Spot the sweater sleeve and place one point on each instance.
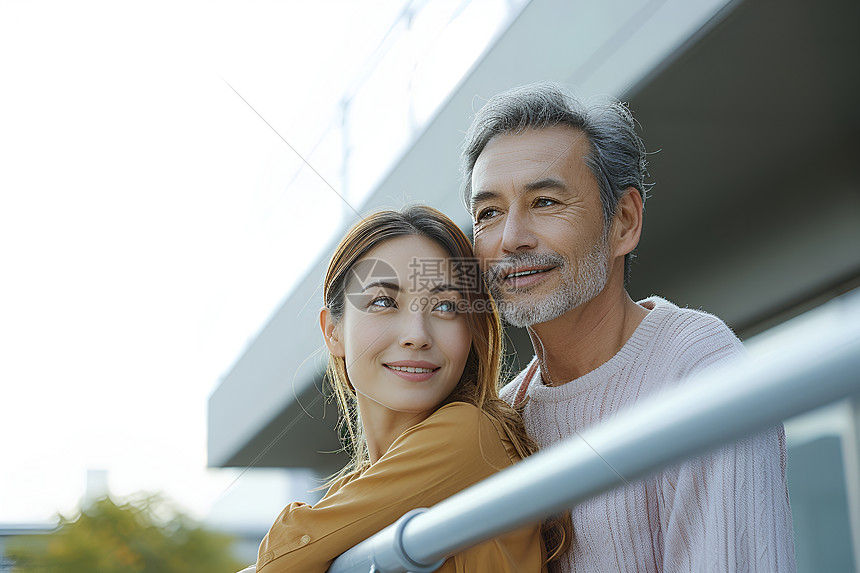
(426, 464)
(728, 510)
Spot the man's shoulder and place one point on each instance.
(693, 337)
(675, 324)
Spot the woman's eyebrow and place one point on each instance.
(383, 284)
(447, 287)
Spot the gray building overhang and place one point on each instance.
(754, 215)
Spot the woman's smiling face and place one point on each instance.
(404, 343)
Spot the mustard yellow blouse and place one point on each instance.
(454, 448)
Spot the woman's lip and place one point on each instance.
(412, 364)
(412, 376)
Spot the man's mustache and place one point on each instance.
(500, 268)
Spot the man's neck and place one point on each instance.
(586, 337)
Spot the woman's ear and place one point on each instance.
(331, 333)
(627, 223)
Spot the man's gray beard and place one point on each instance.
(579, 285)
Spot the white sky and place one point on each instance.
(145, 230)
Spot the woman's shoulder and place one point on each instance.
(464, 428)
(338, 482)
(455, 418)
(458, 411)
(459, 416)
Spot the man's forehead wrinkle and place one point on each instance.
(525, 173)
(498, 172)
(526, 155)
(542, 159)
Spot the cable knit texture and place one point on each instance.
(724, 511)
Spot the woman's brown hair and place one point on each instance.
(479, 384)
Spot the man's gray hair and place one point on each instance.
(617, 157)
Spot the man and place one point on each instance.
(556, 193)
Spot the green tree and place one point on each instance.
(145, 535)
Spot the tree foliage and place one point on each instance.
(141, 536)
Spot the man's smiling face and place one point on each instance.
(538, 223)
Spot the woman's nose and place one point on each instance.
(415, 334)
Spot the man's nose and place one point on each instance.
(517, 234)
(415, 334)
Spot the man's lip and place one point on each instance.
(507, 274)
(413, 364)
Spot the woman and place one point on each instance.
(414, 347)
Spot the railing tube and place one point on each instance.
(711, 409)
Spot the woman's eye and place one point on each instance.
(382, 302)
(446, 306)
(544, 202)
(487, 213)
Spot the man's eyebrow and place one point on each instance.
(482, 197)
(540, 184)
(383, 284)
(546, 183)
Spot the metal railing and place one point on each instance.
(812, 368)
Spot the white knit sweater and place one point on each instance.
(724, 511)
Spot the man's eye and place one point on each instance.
(544, 202)
(487, 213)
(382, 302)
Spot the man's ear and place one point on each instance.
(627, 223)
(331, 333)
